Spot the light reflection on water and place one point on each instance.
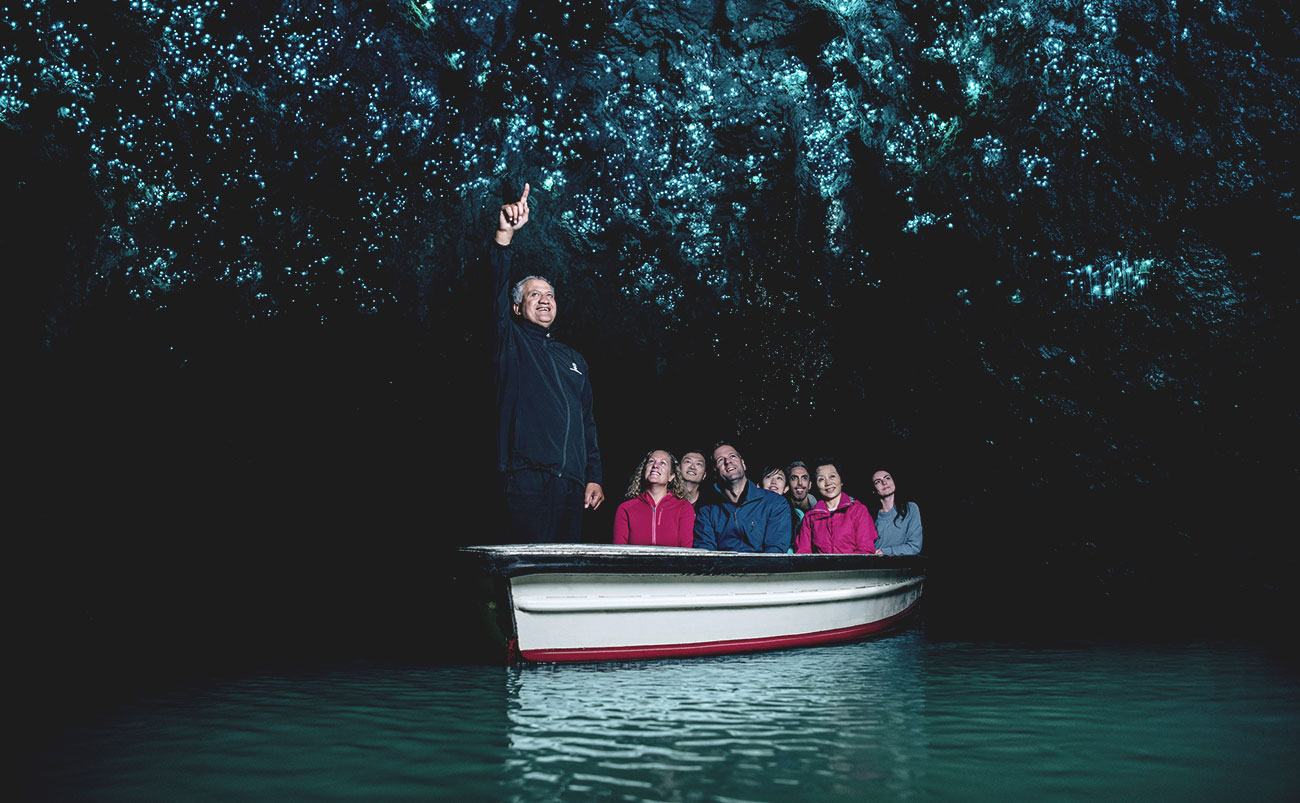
(898, 717)
(825, 720)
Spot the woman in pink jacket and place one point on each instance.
(838, 523)
(655, 514)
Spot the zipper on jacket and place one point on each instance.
(559, 387)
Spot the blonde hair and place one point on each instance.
(636, 486)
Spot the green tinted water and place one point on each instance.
(901, 717)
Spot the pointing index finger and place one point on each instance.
(524, 197)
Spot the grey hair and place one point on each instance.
(517, 292)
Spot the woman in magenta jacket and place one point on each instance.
(838, 522)
(655, 514)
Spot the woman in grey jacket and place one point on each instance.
(898, 522)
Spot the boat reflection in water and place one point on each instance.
(814, 723)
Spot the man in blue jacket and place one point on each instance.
(546, 438)
(741, 517)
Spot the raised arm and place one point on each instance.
(511, 219)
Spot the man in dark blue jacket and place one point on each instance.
(546, 439)
(741, 517)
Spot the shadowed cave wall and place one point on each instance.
(1036, 258)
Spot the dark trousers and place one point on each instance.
(542, 508)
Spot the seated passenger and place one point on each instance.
(898, 524)
(655, 513)
(800, 485)
(838, 523)
(694, 471)
(775, 480)
(739, 516)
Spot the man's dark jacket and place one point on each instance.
(544, 418)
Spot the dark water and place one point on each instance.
(912, 715)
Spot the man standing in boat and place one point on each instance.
(546, 434)
(741, 517)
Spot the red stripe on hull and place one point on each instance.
(717, 647)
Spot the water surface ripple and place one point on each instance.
(899, 717)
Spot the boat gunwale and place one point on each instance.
(508, 560)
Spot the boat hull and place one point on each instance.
(599, 603)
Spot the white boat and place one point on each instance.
(582, 602)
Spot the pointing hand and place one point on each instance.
(512, 218)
